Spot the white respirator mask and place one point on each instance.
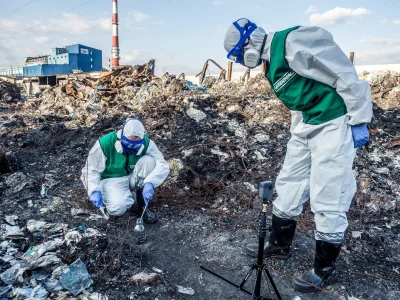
(252, 56)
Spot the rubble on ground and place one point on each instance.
(220, 140)
(9, 91)
(385, 88)
(34, 260)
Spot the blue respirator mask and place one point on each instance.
(128, 146)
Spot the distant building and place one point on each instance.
(71, 59)
(14, 72)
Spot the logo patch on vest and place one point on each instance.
(284, 80)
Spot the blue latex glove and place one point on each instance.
(148, 192)
(96, 198)
(360, 135)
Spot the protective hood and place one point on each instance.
(132, 127)
(241, 36)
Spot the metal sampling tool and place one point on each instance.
(103, 212)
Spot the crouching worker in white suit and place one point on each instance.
(121, 162)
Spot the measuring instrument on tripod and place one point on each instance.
(266, 189)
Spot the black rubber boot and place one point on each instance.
(279, 242)
(324, 268)
(149, 217)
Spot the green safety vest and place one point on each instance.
(118, 164)
(318, 102)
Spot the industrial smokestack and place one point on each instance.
(115, 42)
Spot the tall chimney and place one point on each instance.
(115, 42)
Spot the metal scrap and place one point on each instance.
(110, 83)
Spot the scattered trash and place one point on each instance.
(34, 225)
(356, 234)
(12, 220)
(76, 278)
(196, 114)
(37, 251)
(157, 270)
(14, 274)
(43, 191)
(144, 277)
(186, 291)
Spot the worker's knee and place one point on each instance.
(145, 165)
(119, 205)
(117, 208)
(330, 222)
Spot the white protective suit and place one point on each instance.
(319, 158)
(117, 192)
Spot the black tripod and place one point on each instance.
(266, 189)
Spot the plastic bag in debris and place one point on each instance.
(36, 293)
(40, 275)
(93, 296)
(39, 292)
(34, 225)
(11, 232)
(13, 275)
(12, 220)
(45, 261)
(57, 271)
(76, 278)
(192, 86)
(7, 251)
(5, 291)
(76, 236)
(52, 285)
(26, 292)
(37, 251)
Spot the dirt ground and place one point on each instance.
(208, 208)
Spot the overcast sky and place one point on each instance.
(182, 34)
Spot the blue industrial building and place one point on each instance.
(71, 59)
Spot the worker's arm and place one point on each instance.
(311, 52)
(95, 165)
(161, 171)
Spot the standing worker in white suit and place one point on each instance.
(121, 162)
(330, 107)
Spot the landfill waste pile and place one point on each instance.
(220, 139)
(32, 260)
(385, 88)
(9, 92)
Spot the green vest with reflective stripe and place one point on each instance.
(318, 102)
(118, 164)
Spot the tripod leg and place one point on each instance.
(247, 277)
(257, 287)
(272, 283)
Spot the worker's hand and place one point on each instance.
(360, 135)
(96, 198)
(148, 192)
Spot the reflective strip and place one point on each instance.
(284, 80)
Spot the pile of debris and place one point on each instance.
(110, 83)
(385, 88)
(30, 261)
(124, 88)
(9, 92)
(219, 141)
